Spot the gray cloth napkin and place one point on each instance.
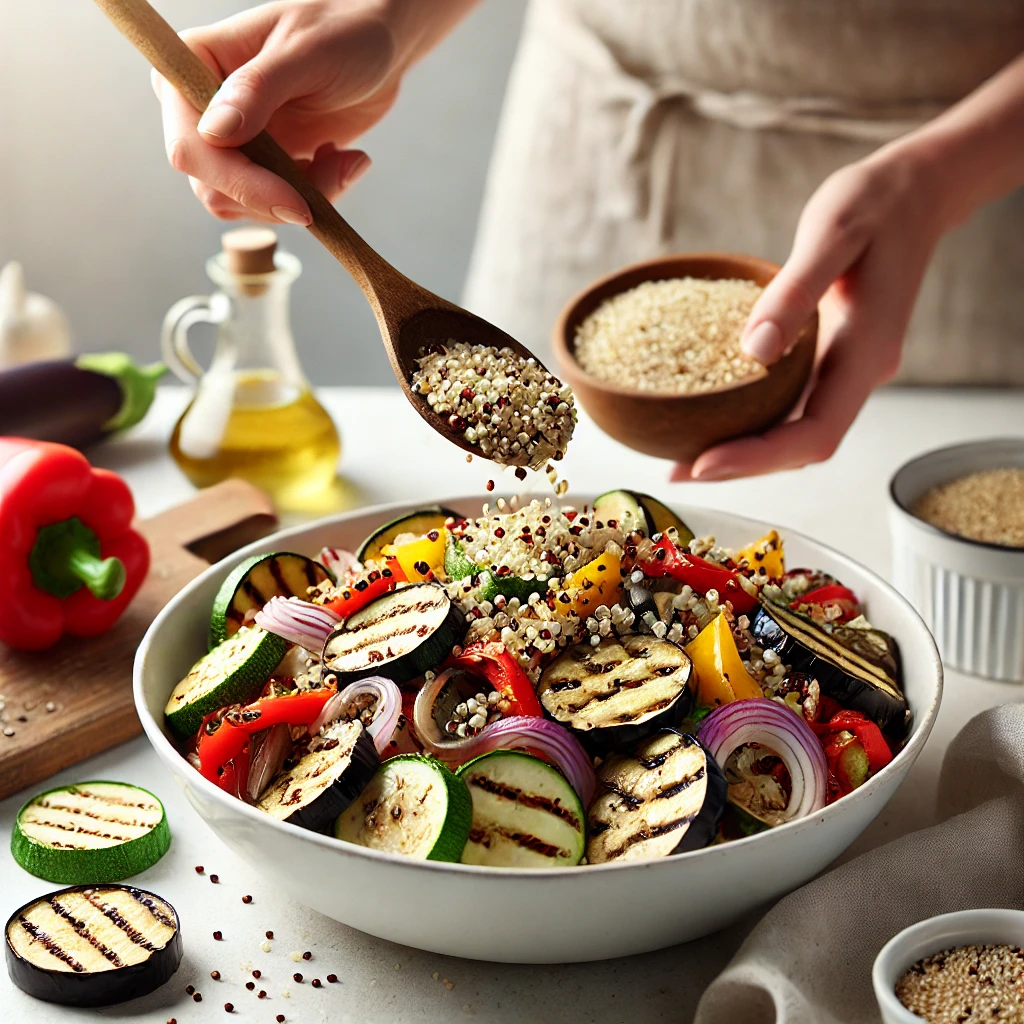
(809, 960)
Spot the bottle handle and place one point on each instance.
(196, 309)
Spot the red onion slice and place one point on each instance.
(771, 724)
(341, 564)
(300, 622)
(268, 749)
(387, 711)
(548, 739)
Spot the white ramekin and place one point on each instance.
(970, 594)
(933, 935)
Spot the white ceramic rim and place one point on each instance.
(936, 532)
(932, 935)
(924, 716)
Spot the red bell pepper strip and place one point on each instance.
(669, 560)
(493, 662)
(855, 749)
(69, 559)
(376, 583)
(834, 595)
(224, 734)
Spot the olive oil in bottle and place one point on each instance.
(253, 414)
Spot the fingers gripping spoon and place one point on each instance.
(412, 320)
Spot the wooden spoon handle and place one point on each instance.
(147, 31)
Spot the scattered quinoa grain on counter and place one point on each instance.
(510, 408)
(677, 336)
(966, 983)
(986, 506)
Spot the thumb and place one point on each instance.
(247, 99)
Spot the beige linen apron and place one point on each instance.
(637, 127)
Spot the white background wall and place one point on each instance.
(103, 225)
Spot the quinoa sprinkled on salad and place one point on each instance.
(510, 408)
(510, 689)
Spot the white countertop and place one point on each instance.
(389, 456)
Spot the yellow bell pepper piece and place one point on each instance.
(719, 673)
(765, 556)
(420, 552)
(596, 583)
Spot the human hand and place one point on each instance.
(861, 248)
(317, 74)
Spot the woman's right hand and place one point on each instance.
(316, 74)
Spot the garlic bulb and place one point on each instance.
(32, 327)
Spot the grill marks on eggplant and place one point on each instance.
(653, 799)
(91, 930)
(326, 779)
(855, 681)
(401, 634)
(619, 683)
(89, 817)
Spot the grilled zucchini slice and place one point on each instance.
(229, 674)
(616, 693)
(665, 797)
(400, 635)
(90, 832)
(634, 510)
(254, 582)
(414, 806)
(525, 813)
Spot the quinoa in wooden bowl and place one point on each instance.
(652, 353)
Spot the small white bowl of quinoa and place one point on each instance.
(957, 519)
(967, 965)
(652, 352)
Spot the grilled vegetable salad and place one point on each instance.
(541, 686)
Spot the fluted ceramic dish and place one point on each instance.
(990, 926)
(970, 593)
(514, 915)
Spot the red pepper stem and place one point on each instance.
(66, 555)
(105, 577)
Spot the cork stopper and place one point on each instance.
(249, 252)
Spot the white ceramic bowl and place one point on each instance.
(933, 935)
(550, 916)
(970, 593)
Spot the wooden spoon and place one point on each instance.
(410, 317)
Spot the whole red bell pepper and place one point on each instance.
(224, 734)
(69, 560)
(492, 661)
(371, 585)
(671, 561)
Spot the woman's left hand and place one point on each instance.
(861, 249)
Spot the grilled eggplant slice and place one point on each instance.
(618, 692)
(331, 774)
(401, 635)
(93, 945)
(667, 797)
(90, 832)
(863, 677)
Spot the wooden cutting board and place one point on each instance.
(75, 700)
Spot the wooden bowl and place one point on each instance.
(681, 426)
